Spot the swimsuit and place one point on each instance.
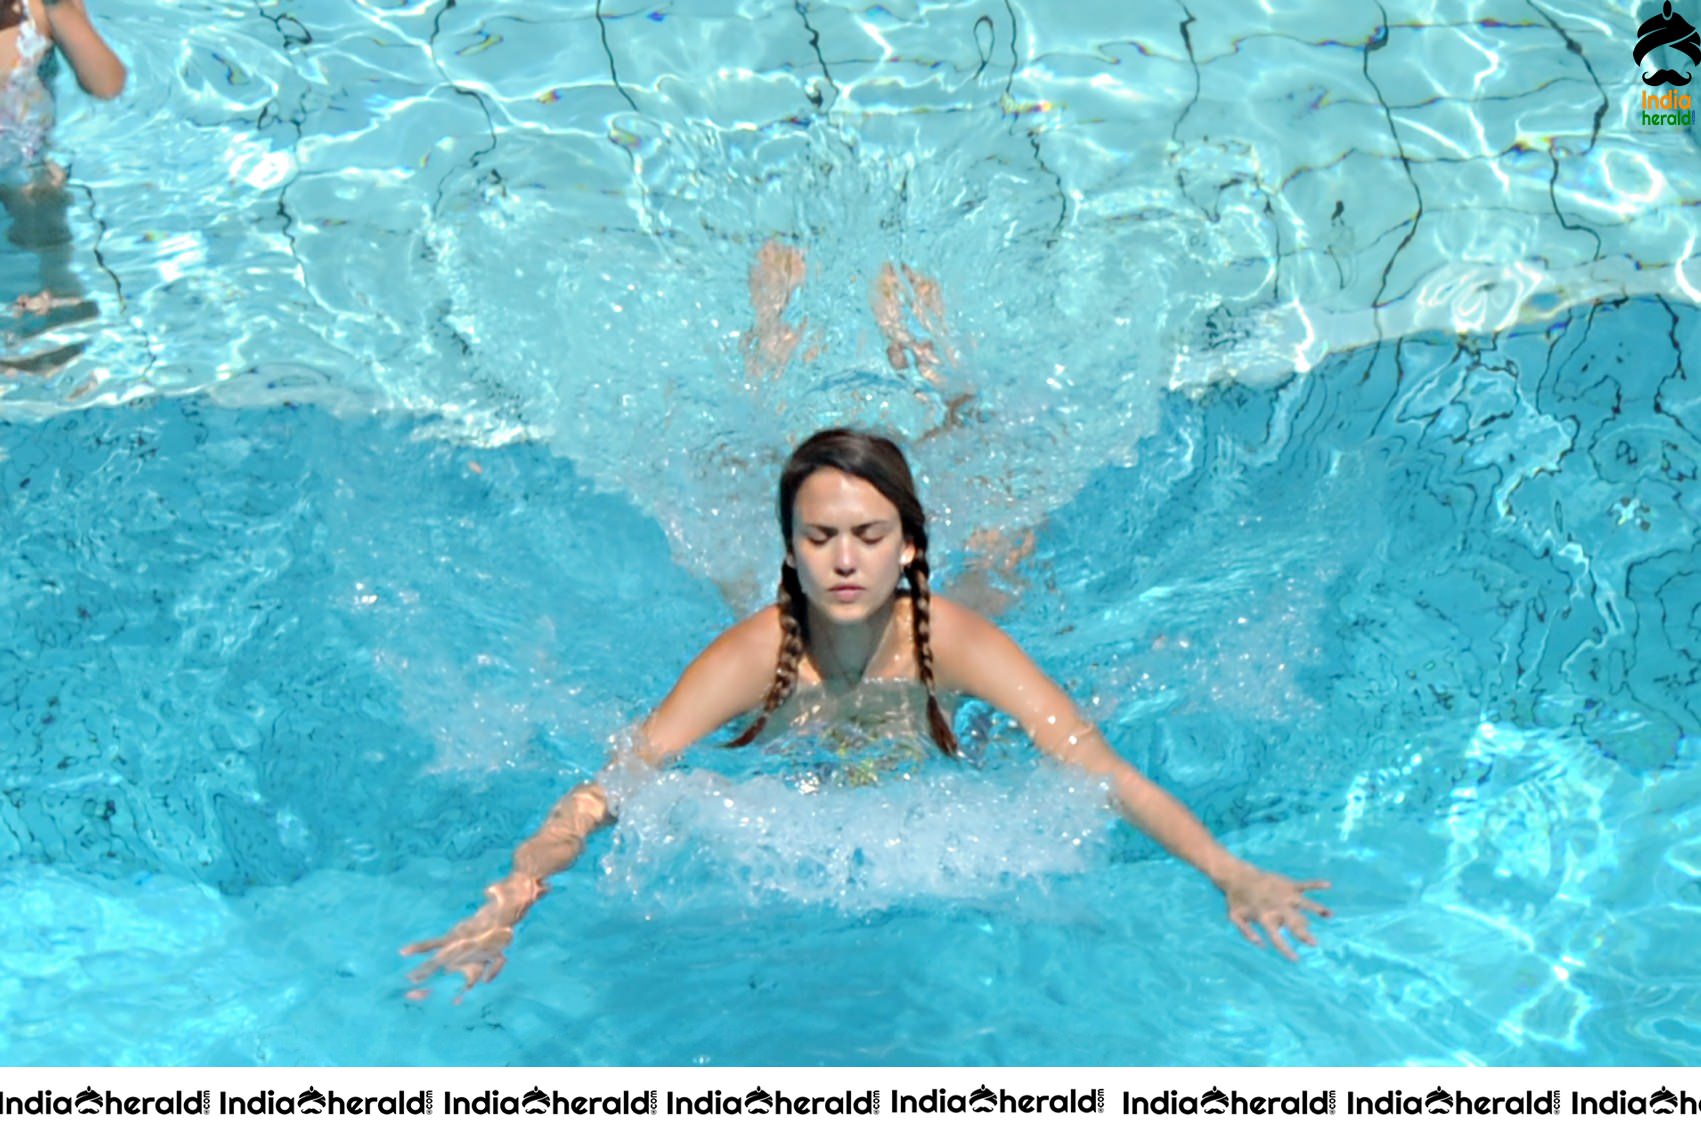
(873, 732)
(26, 107)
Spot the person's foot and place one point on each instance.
(38, 304)
(49, 179)
(888, 300)
(1001, 551)
(52, 311)
(929, 304)
(990, 580)
(775, 277)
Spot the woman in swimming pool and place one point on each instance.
(32, 190)
(28, 28)
(854, 530)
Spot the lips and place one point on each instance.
(844, 592)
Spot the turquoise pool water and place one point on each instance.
(1338, 368)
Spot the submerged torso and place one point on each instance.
(873, 731)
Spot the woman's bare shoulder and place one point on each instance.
(756, 638)
(731, 676)
(972, 655)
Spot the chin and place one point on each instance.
(844, 612)
(847, 612)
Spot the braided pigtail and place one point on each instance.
(793, 613)
(921, 603)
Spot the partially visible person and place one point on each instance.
(925, 301)
(779, 272)
(775, 277)
(32, 189)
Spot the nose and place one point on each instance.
(844, 558)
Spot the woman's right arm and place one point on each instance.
(477, 947)
(729, 678)
(99, 71)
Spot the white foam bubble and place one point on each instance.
(954, 832)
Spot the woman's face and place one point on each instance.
(847, 545)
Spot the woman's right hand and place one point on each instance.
(475, 949)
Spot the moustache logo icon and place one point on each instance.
(1667, 30)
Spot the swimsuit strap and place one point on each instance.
(26, 106)
(30, 40)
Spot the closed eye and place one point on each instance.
(869, 534)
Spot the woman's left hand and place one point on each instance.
(1260, 900)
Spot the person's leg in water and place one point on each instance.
(925, 303)
(991, 578)
(888, 298)
(38, 210)
(39, 213)
(775, 277)
(778, 273)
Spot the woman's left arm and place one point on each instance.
(99, 71)
(974, 656)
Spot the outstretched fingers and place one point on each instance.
(474, 953)
(432, 966)
(476, 972)
(1271, 924)
(1297, 929)
(1244, 924)
(1310, 906)
(1275, 909)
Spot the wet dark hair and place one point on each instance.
(881, 463)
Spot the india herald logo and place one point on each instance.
(1671, 31)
